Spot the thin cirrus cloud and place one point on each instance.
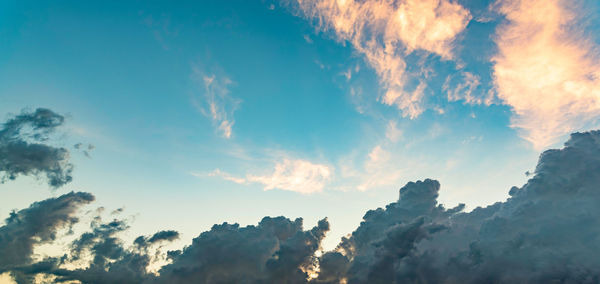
(546, 69)
(385, 32)
(216, 103)
(296, 175)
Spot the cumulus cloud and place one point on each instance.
(277, 250)
(96, 256)
(36, 225)
(290, 174)
(384, 32)
(545, 232)
(546, 69)
(217, 103)
(111, 261)
(23, 152)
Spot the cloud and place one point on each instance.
(22, 151)
(546, 69)
(217, 103)
(545, 232)
(384, 32)
(223, 175)
(275, 251)
(110, 261)
(86, 149)
(96, 256)
(37, 225)
(466, 90)
(290, 174)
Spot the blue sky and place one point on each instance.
(212, 111)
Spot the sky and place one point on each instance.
(204, 112)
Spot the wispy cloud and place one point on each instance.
(289, 174)
(466, 89)
(546, 69)
(216, 103)
(386, 31)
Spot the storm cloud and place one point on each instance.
(23, 151)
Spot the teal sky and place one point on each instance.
(212, 111)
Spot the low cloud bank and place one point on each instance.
(547, 231)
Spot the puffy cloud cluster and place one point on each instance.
(22, 151)
(386, 31)
(36, 225)
(97, 256)
(546, 232)
(275, 251)
(546, 69)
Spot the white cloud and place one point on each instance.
(385, 31)
(546, 70)
(223, 175)
(290, 174)
(216, 104)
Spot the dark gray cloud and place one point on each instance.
(547, 231)
(108, 259)
(277, 250)
(111, 261)
(36, 225)
(23, 152)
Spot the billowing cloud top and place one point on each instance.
(545, 232)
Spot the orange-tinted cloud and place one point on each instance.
(385, 31)
(546, 70)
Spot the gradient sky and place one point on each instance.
(211, 111)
